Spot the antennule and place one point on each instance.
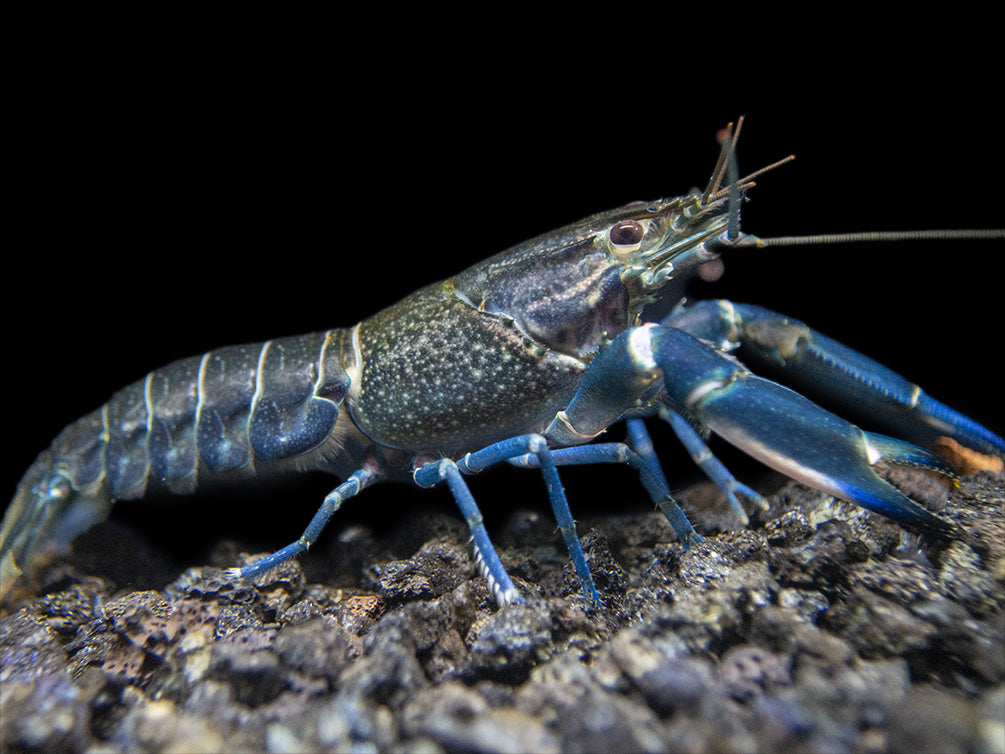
(735, 197)
(747, 181)
(725, 139)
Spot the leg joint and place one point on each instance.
(433, 473)
(536, 444)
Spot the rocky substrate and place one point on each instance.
(821, 627)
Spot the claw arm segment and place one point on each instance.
(621, 377)
(618, 379)
(775, 425)
(814, 361)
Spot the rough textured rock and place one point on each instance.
(820, 627)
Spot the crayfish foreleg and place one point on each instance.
(712, 466)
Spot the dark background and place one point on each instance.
(165, 207)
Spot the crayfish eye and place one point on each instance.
(627, 233)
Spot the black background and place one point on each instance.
(164, 207)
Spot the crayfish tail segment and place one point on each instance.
(46, 514)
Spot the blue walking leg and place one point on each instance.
(349, 488)
(538, 446)
(485, 554)
(643, 445)
(712, 466)
(616, 452)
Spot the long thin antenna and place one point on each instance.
(905, 235)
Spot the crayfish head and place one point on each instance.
(656, 242)
(562, 293)
(575, 288)
(668, 238)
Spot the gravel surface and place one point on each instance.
(821, 627)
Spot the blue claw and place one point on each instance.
(772, 423)
(787, 432)
(814, 362)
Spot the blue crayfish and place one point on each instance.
(525, 357)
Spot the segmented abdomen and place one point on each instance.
(235, 408)
(219, 412)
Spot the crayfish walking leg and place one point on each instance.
(332, 502)
(502, 451)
